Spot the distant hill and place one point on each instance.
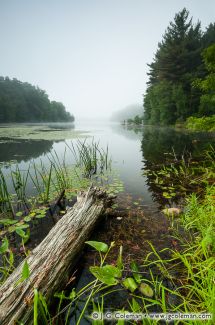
(23, 102)
(129, 111)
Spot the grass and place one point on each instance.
(90, 157)
(201, 123)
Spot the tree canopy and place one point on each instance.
(23, 102)
(170, 95)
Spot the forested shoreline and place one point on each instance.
(182, 75)
(23, 102)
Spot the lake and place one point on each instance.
(131, 150)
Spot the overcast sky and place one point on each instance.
(89, 54)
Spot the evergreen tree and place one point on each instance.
(170, 96)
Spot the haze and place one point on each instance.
(89, 54)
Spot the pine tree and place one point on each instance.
(170, 95)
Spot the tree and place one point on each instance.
(170, 96)
(207, 85)
(22, 102)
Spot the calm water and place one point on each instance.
(131, 150)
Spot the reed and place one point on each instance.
(5, 197)
(19, 180)
(90, 157)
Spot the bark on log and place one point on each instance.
(50, 262)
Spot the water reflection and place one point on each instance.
(156, 142)
(13, 146)
(164, 146)
(23, 150)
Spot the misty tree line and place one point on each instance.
(22, 102)
(182, 74)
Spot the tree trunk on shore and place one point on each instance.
(51, 261)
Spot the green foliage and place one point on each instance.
(170, 97)
(22, 102)
(130, 284)
(4, 246)
(25, 271)
(207, 85)
(99, 246)
(201, 123)
(107, 274)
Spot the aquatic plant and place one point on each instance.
(19, 180)
(90, 157)
(5, 196)
(41, 132)
(179, 177)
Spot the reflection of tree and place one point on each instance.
(127, 131)
(23, 149)
(158, 143)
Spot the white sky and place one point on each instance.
(89, 54)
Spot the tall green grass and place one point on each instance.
(90, 157)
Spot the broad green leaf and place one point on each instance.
(39, 216)
(135, 269)
(27, 236)
(25, 271)
(106, 274)
(130, 284)
(7, 222)
(22, 226)
(20, 232)
(27, 218)
(11, 228)
(99, 246)
(146, 290)
(4, 246)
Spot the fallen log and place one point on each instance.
(51, 260)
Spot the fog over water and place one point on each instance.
(89, 54)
